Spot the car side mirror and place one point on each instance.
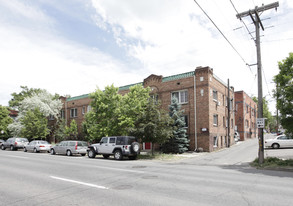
(101, 142)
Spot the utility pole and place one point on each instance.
(228, 104)
(254, 14)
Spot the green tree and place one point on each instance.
(5, 120)
(284, 92)
(60, 132)
(17, 98)
(179, 143)
(270, 120)
(133, 104)
(103, 120)
(34, 125)
(153, 125)
(112, 113)
(71, 131)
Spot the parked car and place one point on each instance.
(70, 147)
(1, 142)
(14, 143)
(236, 137)
(37, 146)
(280, 141)
(118, 146)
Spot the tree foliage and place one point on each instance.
(270, 120)
(71, 131)
(284, 92)
(5, 120)
(34, 125)
(112, 113)
(17, 98)
(179, 143)
(42, 101)
(153, 125)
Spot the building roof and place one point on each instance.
(178, 76)
(77, 97)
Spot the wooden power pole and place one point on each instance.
(254, 14)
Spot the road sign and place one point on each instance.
(260, 123)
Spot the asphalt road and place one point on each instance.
(219, 178)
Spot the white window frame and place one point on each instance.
(182, 96)
(62, 114)
(215, 123)
(83, 110)
(215, 93)
(89, 108)
(73, 112)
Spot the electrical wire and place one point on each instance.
(266, 81)
(222, 34)
(242, 20)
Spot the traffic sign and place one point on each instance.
(260, 122)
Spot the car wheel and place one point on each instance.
(276, 146)
(11, 147)
(52, 152)
(2, 147)
(68, 153)
(106, 156)
(35, 150)
(132, 157)
(118, 155)
(135, 147)
(24, 149)
(91, 153)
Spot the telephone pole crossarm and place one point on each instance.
(258, 9)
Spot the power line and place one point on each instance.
(223, 34)
(266, 81)
(242, 20)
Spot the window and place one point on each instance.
(155, 98)
(247, 123)
(247, 109)
(215, 141)
(62, 114)
(231, 123)
(51, 117)
(215, 120)
(89, 108)
(181, 96)
(224, 122)
(186, 120)
(73, 112)
(104, 140)
(201, 79)
(201, 92)
(83, 110)
(215, 95)
(112, 140)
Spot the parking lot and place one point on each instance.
(282, 153)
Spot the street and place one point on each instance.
(218, 178)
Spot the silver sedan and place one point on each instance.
(38, 146)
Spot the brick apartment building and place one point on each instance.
(246, 115)
(203, 97)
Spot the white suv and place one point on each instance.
(119, 146)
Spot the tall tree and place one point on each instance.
(17, 98)
(112, 113)
(35, 125)
(179, 143)
(71, 131)
(153, 125)
(44, 102)
(284, 92)
(5, 120)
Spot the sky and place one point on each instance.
(72, 47)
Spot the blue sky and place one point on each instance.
(74, 46)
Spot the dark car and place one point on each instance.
(14, 143)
